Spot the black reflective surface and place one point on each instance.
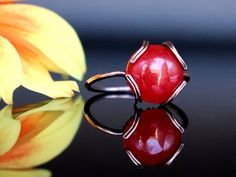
(208, 100)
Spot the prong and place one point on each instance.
(174, 121)
(178, 114)
(134, 86)
(133, 158)
(139, 52)
(173, 49)
(176, 154)
(177, 91)
(132, 128)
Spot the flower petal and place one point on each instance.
(37, 78)
(9, 130)
(25, 173)
(27, 51)
(44, 135)
(52, 105)
(9, 1)
(48, 33)
(10, 70)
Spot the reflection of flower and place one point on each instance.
(25, 173)
(38, 134)
(34, 41)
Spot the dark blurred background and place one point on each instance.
(120, 21)
(204, 33)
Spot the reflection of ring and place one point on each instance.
(155, 73)
(90, 118)
(156, 132)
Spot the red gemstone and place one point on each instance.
(155, 140)
(157, 72)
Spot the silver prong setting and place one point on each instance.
(139, 52)
(176, 154)
(175, 122)
(134, 86)
(177, 91)
(133, 158)
(133, 127)
(171, 46)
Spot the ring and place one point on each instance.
(150, 136)
(155, 74)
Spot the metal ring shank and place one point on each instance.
(90, 118)
(90, 83)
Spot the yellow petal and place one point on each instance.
(9, 130)
(48, 33)
(25, 173)
(37, 78)
(10, 70)
(44, 134)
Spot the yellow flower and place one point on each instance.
(39, 133)
(33, 42)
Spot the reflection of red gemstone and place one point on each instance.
(157, 72)
(155, 140)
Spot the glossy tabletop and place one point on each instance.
(208, 100)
